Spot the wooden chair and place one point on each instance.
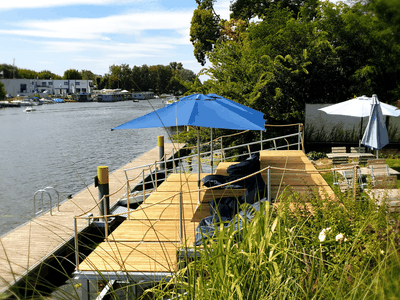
(338, 149)
(388, 197)
(376, 161)
(339, 160)
(357, 149)
(363, 160)
(380, 175)
(345, 178)
(384, 182)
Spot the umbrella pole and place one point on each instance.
(198, 162)
(212, 153)
(359, 140)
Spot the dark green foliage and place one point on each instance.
(313, 155)
(2, 91)
(72, 74)
(204, 30)
(325, 53)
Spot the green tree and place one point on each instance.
(204, 29)
(88, 75)
(283, 61)
(368, 50)
(248, 9)
(72, 74)
(47, 75)
(389, 12)
(28, 74)
(2, 91)
(8, 71)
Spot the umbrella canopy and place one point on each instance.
(202, 111)
(359, 107)
(375, 135)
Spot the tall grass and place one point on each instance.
(300, 249)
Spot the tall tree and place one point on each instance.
(2, 91)
(72, 74)
(88, 75)
(283, 60)
(46, 74)
(204, 29)
(27, 74)
(9, 71)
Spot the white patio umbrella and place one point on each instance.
(375, 135)
(359, 107)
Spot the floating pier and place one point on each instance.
(25, 249)
(147, 247)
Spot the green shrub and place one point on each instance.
(313, 155)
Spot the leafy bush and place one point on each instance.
(313, 155)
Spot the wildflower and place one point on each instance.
(322, 234)
(382, 252)
(339, 237)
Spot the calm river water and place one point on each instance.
(61, 146)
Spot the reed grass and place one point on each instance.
(301, 249)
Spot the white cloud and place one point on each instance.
(108, 46)
(222, 8)
(28, 4)
(99, 28)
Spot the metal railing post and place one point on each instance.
(180, 217)
(143, 185)
(298, 137)
(128, 191)
(222, 150)
(261, 140)
(58, 197)
(76, 245)
(269, 184)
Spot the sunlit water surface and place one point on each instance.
(61, 146)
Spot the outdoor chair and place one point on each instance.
(338, 149)
(384, 182)
(345, 178)
(357, 149)
(363, 160)
(375, 161)
(339, 160)
(380, 175)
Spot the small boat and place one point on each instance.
(29, 109)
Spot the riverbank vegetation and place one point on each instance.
(172, 78)
(301, 249)
(277, 56)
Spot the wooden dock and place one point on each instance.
(26, 247)
(149, 242)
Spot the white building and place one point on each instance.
(29, 87)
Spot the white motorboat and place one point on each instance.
(29, 109)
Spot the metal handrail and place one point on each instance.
(164, 161)
(45, 190)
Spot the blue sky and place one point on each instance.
(57, 35)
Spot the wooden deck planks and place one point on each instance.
(28, 245)
(156, 223)
(132, 257)
(153, 231)
(287, 173)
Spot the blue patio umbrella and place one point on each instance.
(200, 110)
(375, 135)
